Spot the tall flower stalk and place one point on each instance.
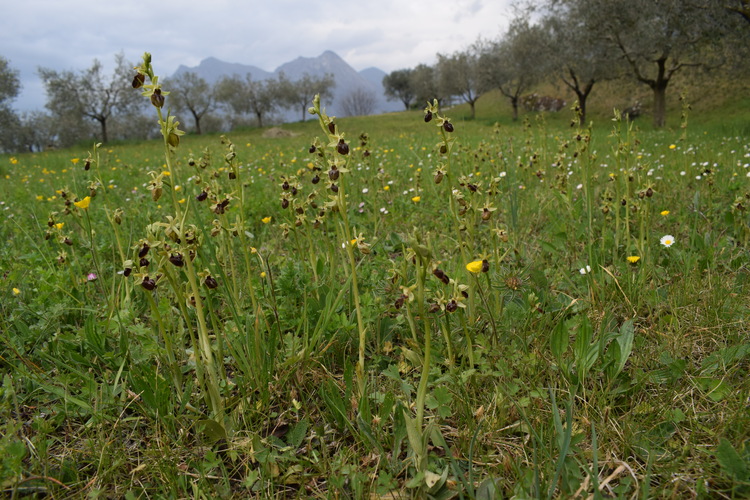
(336, 157)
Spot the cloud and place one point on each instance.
(391, 34)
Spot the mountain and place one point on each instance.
(373, 75)
(347, 79)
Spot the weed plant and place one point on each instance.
(408, 306)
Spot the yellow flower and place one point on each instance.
(84, 203)
(633, 259)
(386, 188)
(416, 199)
(266, 220)
(253, 250)
(39, 197)
(13, 160)
(474, 267)
(181, 200)
(672, 146)
(353, 242)
(16, 291)
(665, 212)
(74, 161)
(59, 225)
(262, 274)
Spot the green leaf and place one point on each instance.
(731, 462)
(715, 388)
(559, 339)
(414, 434)
(212, 430)
(297, 434)
(625, 341)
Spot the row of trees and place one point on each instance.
(577, 42)
(583, 42)
(90, 103)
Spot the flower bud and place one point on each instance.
(399, 302)
(177, 259)
(202, 196)
(315, 179)
(211, 282)
(451, 306)
(333, 174)
(148, 283)
(342, 147)
(144, 250)
(428, 117)
(138, 80)
(157, 99)
(332, 127)
(447, 126)
(312, 149)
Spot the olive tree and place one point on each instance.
(573, 53)
(424, 82)
(192, 94)
(299, 93)
(90, 94)
(10, 86)
(398, 86)
(248, 97)
(659, 38)
(512, 63)
(459, 75)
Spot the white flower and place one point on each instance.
(667, 240)
(585, 270)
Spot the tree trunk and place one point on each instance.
(197, 119)
(659, 86)
(103, 123)
(660, 104)
(304, 110)
(514, 103)
(259, 116)
(472, 105)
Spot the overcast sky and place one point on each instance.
(388, 34)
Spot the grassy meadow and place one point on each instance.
(380, 307)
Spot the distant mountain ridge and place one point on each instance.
(347, 79)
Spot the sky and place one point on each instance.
(387, 34)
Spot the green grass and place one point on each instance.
(626, 381)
